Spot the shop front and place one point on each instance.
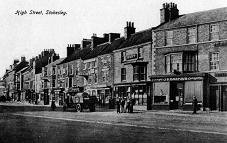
(103, 95)
(172, 92)
(140, 92)
(218, 96)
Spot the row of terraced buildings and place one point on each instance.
(162, 67)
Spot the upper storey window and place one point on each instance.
(214, 61)
(191, 35)
(169, 38)
(214, 32)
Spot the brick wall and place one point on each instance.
(203, 33)
(146, 52)
(105, 62)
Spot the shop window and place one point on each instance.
(214, 61)
(161, 93)
(169, 38)
(123, 74)
(191, 35)
(214, 32)
(139, 73)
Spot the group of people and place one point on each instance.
(124, 105)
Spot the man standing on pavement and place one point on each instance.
(195, 102)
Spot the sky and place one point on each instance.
(28, 35)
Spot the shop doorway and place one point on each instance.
(176, 95)
(214, 98)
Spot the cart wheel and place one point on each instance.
(78, 108)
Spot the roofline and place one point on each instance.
(130, 47)
(155, 30)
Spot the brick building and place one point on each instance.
(189, 56)
(132, 66)
(69, 80)
(49, 81)
(97, 68)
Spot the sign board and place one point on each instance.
(165, 79)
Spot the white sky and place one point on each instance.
(28, 35)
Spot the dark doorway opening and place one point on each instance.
(176, 95)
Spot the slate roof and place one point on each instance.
(96, 51)
(137, 38)
(208, 16)
(20, 66)
(77, 55)
(55, 62)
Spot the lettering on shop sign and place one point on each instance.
(220, 43)
(175, 79)
(131, 56)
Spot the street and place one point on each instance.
(58, 126)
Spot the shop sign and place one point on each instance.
(131, 56)
(175, 79)
(220, 43)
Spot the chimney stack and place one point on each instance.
(71, 48)
(168, 12)
(23, 59)
(129, 29)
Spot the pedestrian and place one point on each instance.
(127, 105)
(195, 102)
(53, 106)
(122, 105)
(118, 105)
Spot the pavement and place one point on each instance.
(18, 107)
(176, 125)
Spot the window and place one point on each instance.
(191, 35)
(95, 76)
(186, 62)
(214, 32)
(190, 61)
(53, 72)
(104, 76)
(173, 62)
(123, 56)
(66, 82)
(53, 83)
(123, 74)
(140, 51)
(88, 65)
(139, 73)
(214, 61)
(95, 64)
(70, 82)
(169, 37)
(85, 66)
(70, 69)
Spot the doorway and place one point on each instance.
(176, 95)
